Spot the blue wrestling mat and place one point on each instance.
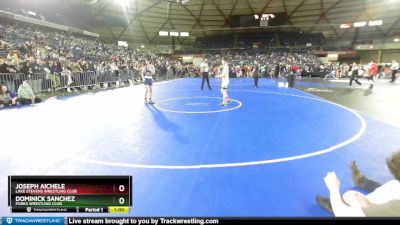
(263, 155)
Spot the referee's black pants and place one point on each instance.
(355, 78)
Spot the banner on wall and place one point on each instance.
(333, 57)
(364, 47)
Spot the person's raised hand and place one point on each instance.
(332, 182)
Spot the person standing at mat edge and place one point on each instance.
(394, 68)
(148, 72)
(354, 74)
(255, 74)
(372, 72)
(204, 69)
(225, 82)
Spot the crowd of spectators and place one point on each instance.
(59, 50)
(27, 50)
(269, 63)
(51, 58)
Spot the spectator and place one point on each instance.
(5, 97)
(33, 65)
(66, 78)
(3, 66)
(383, 200)
(115, 70)
(26, 95)
(387, 71)
(24, 68)
(6, 66)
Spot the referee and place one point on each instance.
(354, 74)
(204, 72)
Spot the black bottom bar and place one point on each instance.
(219, 221)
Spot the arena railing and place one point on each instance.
(42, 82)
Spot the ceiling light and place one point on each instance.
(163, 33)
(174, 34)
(375, 23)
(360, 24)
(345, 25)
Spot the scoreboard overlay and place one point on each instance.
(75, 194)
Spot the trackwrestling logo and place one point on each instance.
(33, 220)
